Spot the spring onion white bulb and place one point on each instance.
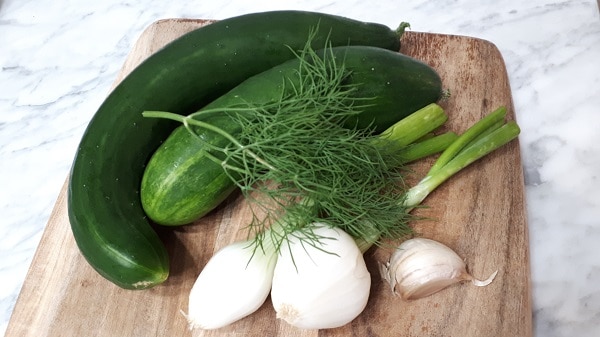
(320, 286)
(420, 267)
(234, 283)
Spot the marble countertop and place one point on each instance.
(59, 59)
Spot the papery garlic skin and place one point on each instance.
(420, 267)
(234, 283)
(315, 289)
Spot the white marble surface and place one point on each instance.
(58, 60)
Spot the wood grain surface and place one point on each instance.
(480, 213)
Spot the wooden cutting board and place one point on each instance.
(480, 213)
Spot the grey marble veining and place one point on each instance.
(59, 59)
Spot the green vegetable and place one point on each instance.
(182, 183)
(108, 223)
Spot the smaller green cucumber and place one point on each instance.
(181, 183)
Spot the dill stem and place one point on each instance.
(164, 114)
(188, 120)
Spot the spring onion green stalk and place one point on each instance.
(415, 126)
(427, 147)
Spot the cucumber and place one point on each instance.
(107, 219)
(181, 184)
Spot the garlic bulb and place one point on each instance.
(234, 283)
(420, 267)
(320, 286)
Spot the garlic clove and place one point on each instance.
(425, 289)
(320, 287)
(421, 267)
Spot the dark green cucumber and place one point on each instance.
(106, 216)
(181, 183)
